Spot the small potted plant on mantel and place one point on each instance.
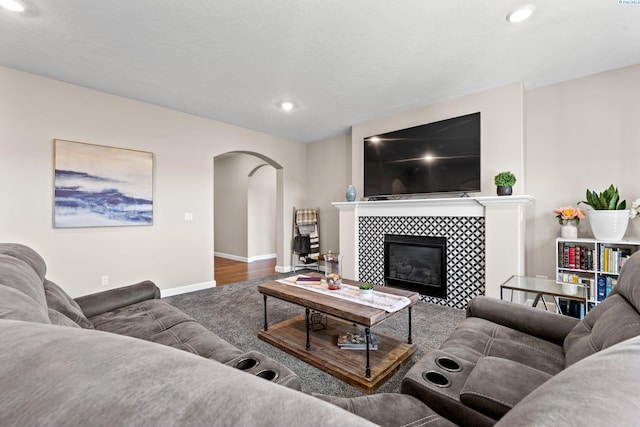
(505, 182)
(366, 288)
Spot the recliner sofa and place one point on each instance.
(503, 351)
(54, 372)
(136, 311)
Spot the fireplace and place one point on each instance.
(416, 263)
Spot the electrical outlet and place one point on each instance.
(105, 280)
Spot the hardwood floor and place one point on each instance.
(229, 271)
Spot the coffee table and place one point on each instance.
(364, 369)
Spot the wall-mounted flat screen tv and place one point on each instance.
(438, 157)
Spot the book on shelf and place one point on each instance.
(602, 288)
(306, 280)
(590, 286)
(356, 341)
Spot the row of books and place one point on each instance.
(579, 257)
(576, 257)
(596, 290)
(611, 260)
(356, 341)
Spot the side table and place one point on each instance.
(542, 287)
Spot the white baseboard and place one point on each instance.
(245, 259)
(186, 289)
(262, 257)
(231, 257)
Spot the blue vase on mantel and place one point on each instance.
(351, 193)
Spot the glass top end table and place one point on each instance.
(542, 287)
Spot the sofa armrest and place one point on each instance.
(496, 385)
(110, 300)
(533, 321)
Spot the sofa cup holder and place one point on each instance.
(436, 378)
(268, 374)
(246, 363)
(448, 364)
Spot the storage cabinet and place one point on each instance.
(592, 264)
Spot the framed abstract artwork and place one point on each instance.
(99, 186)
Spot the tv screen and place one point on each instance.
(438, 157)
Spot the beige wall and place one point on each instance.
(583, 133)
(172, 252)
(329, 175)
(502, 127)
(559, 140)
(502, 131)
(579, 134)
(261, 213)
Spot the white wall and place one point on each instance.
(583, 133)
(172, 252)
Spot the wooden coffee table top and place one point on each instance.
(341, 308)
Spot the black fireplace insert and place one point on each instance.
(416, 263)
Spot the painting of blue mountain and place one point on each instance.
(98, 186)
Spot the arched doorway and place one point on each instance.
(248, 212)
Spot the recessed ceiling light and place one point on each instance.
(12, 5)
(521, 13)
(287, 105)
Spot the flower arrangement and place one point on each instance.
(635, 209)
(366, 286)
(569, 214)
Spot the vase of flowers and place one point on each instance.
(569, 217)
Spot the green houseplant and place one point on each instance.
(366, 288)
(607, 200)
(609, 218)
(505, 182)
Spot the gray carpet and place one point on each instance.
(235, 313)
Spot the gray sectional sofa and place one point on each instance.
(503, 351)
(123, 357)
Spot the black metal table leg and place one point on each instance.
(306, 319)
(410, 340)
(266, 327)
(367, 334)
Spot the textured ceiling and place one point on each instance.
(342, 62)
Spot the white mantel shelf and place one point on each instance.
(504, 228)
(467, 206)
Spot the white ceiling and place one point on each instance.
(342, 61)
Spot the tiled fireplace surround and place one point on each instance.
(485, 239)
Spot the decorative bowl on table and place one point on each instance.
(333, 281)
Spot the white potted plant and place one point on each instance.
(609, 216)
(366, 289)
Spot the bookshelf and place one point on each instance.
(593, 263)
